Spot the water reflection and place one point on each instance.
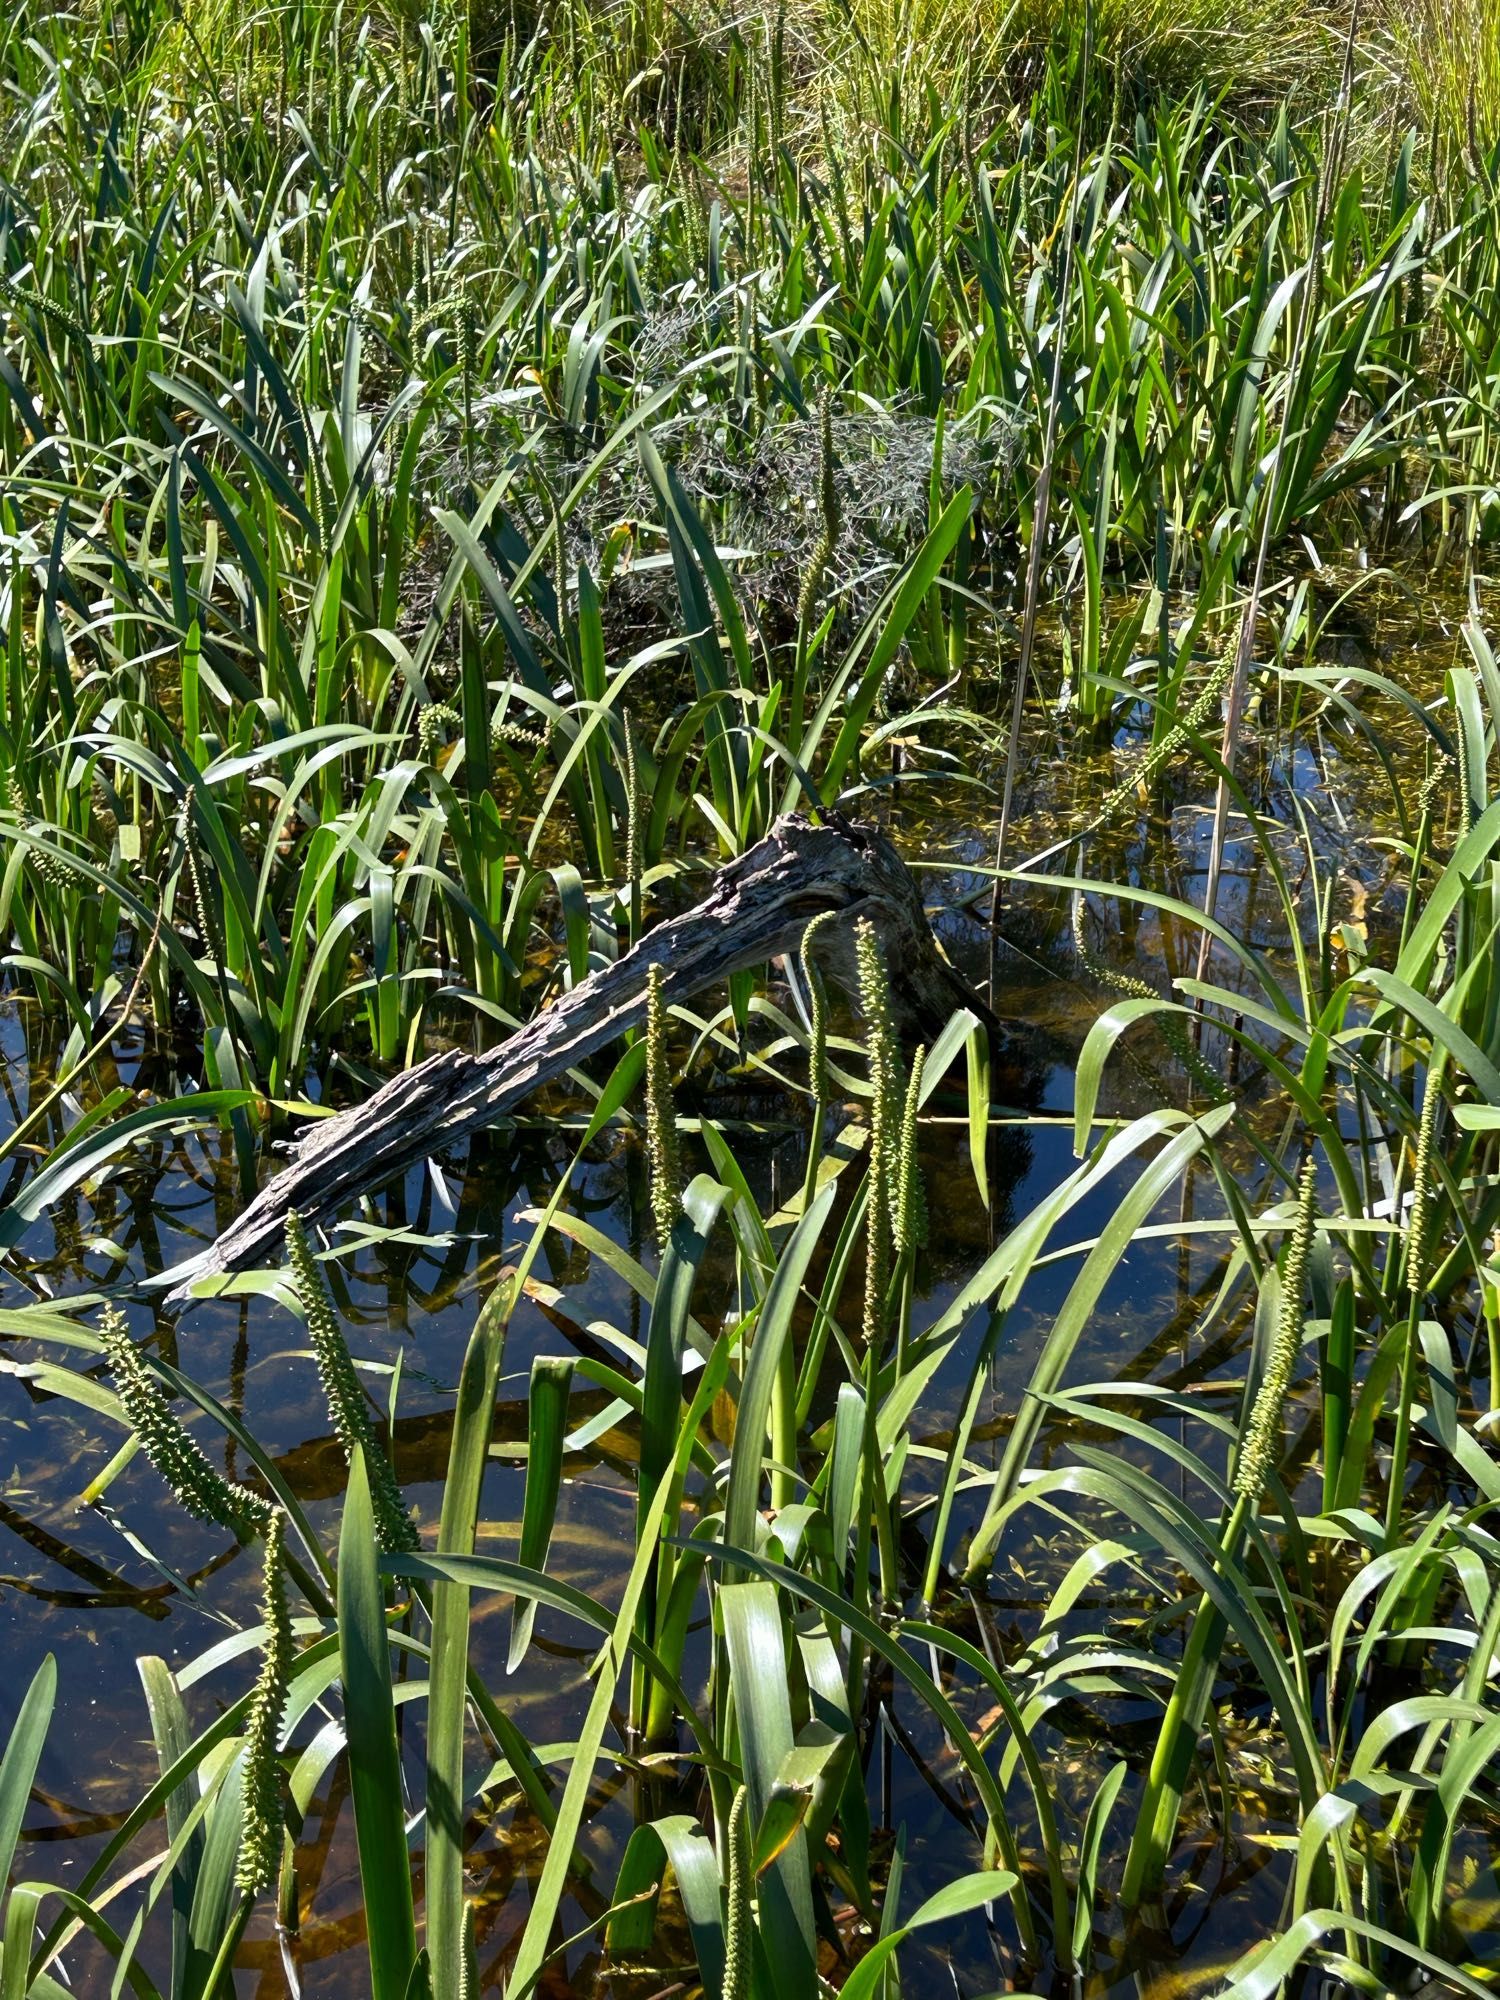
(101, 1584)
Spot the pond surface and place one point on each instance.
(100, 1585)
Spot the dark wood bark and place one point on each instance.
(758, 907)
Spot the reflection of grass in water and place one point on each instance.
(1250, 1763)
(327, 680)
(1251, 1804)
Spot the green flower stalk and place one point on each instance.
(309, 267)
(1099, 970)
(1262, 1443)
(394, 1529)
(468, 1967)
(503, 730)
(663, 1165)
(466, 317)
(1414, 1272)
(635, 832)
(173, 1451)
(378, 159)
(694, 207)
(1161, 754)
(909, 1215)
(317, 497)
(1129, 987)
(23, 298)
(403, 79)
(908, 1210)
(1435, 782)
(635, 838)
(437, 724)
(739, 1930)
(203, 906)
(261, 1808)
(49, 866)
(560, 579)
(336, 97)
(817, 992)
(885, 1122)
(880, 1038)
(1419, 1220)
(1192, 1690)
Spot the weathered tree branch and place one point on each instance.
(758, 908)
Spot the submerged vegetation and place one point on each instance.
(464, 475)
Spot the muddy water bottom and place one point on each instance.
(100, 1586)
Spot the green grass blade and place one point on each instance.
(546, 1427)
(447, 1705)
(23, 1751)
(374, 1747)
(756, 1645)
(773, 1329)
(536, 1938)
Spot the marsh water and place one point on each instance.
(102, 1582)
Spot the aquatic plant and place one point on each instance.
(174, 1452)
(346, 1400)
(662, 1166)
(259, 1858)
(463, 478)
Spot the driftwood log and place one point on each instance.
(758, 908)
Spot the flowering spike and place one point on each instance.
(1144, 778)
(880, 1038)
(346, 1402)
(665, 1170)
(261, 1810)
(1262, 1443)
(817, 1044)
(204, 908)
(438, 722)
(909, 1207)
(739, 1930)
(1421, 1185)
(172, 1449)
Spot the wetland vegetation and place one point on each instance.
(809, 1500)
